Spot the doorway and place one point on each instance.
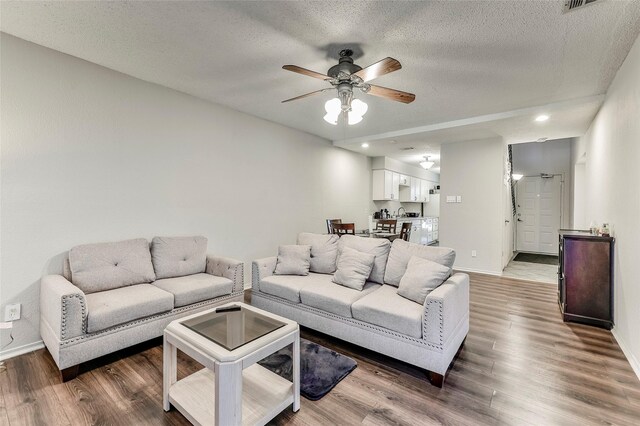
(538, 213)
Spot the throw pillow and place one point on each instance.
(293, 260)
(354, 268)
(402, 251)
(178, 256)
(421, 278)
(379, 247)
(324, 251)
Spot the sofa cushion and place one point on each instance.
(324, 251)
(293, 260)
(105, 266)
(421, 278)
(178, 256)
(195, 288)
(354, 268)
(386, 308)
(288, 286)
(379, 247)
(402, 251)
(121, 305)
(334, 298)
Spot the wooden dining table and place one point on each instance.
(378, 234)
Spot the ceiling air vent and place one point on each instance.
(576, 4)
(407, 148)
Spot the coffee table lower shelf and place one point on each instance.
(264, 395)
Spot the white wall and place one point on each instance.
(553, 157)
(612, 148)
(90, 155)
(473, 170)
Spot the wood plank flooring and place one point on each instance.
(520, 365)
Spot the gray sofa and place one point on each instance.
(114, 295)
(426, 335)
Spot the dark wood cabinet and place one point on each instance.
(585, 278)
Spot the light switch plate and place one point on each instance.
(458, 198)
(451, 198)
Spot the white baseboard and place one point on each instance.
(478, 271)
(10, 353)
(627, 352)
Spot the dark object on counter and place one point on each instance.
(386, 214)
(585, 278)
(413, 214)
(376, 215)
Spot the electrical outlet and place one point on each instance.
(12, 312)
(473, 253)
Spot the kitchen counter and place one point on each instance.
(402, 219)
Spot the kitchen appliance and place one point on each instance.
(376, 215)
(413, 214)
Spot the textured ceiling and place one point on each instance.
(461, 58)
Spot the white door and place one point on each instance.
(538, 212)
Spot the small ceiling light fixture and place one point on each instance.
(542, 117)
(516, 176)
(426, 164)
(365, 145)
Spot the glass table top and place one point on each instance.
(234, 328)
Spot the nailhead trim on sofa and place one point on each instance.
(65, 300)
(358, 323)
(142, 320)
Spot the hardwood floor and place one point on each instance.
(520, 365)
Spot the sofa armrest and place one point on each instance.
(228, 268)
(262, 268)
(63, 306)
(444, 308)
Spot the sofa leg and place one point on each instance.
(69, 373)
(436, 379)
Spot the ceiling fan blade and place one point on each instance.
(385, 66)
(392, 94)
(304, 71)
(308, 94)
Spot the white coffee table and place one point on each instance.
(232, 389)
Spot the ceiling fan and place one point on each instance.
(345, 77)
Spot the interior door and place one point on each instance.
(538, 213)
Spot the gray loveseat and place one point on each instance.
(426, 335)
(114, 295)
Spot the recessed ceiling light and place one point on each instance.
(365, 145)
(542, 117)
(392, 141)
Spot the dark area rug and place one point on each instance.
(320, 368)
(545, 259)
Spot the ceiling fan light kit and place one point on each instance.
(344, 77)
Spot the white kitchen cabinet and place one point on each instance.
(415, 189)
(424, 191)
(416, 232)
(386, 185)
(405, 180)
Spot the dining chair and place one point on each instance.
(387, 225)
(405, 231)
(330, 223)
(344, 228)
